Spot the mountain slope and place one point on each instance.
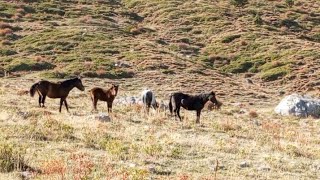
(267, 40)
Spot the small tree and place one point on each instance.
(290, 3)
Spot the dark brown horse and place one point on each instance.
(55, 90)
(190, 102)
(104, 95)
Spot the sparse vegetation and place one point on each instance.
(289, 3)
(12, 157)
(239, 3)
(235, 48)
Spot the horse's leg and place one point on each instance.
(178, 112)
(61, 102)
(198, 116)
(66, 104)
(175, 112)
(109, 107)
(148, 108)
(40, 100)
(43, 99)
(94, 102)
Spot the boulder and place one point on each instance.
(102, 117)
(298, 105)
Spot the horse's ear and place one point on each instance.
(212, 94)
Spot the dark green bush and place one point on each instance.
(230, 38)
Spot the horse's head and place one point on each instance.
(213, 99)
(155, 105)
(79, 84)
(114, 89)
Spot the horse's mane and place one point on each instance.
(66, 83)
(202, 96)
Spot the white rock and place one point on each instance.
(264, 168)
(298, 105)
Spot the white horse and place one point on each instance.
(148, 99)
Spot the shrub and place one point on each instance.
(253, 114)
(290, 3)
(239, 3)
(54, 74)
(176, 152)
(11, 157)
(29, 66)
(115, 147)
(238, 66)
(153, 149)
(51, 129)
(57, 11)
(275, 73)
(7, 52)
(55, 167)
(257, 19)
(230, 38)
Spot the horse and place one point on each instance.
(55, 90)
(190, 102)
(109, 95)
(148, 99)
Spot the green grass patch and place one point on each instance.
(242, 65)
(275, 73)
(230, 38)
(12, 157)
(54, 74)
(28, 65)
(7, 52)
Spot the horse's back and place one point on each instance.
(101, 94)
(96, 91)
(147, 96)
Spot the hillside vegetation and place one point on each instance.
(116, 39)
(251, 55)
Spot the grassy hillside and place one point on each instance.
(250, 56)
(270, 39)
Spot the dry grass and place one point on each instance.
(139, 146)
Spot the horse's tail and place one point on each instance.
(33, 89)
(170, 104)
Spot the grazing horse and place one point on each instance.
(104, 95)
(190, 102)
(148, 99)
(55, 90)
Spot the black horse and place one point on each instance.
(190, 102)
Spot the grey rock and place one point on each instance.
(298, 105)
(264, 168)
(244, 164)
(26, 175)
